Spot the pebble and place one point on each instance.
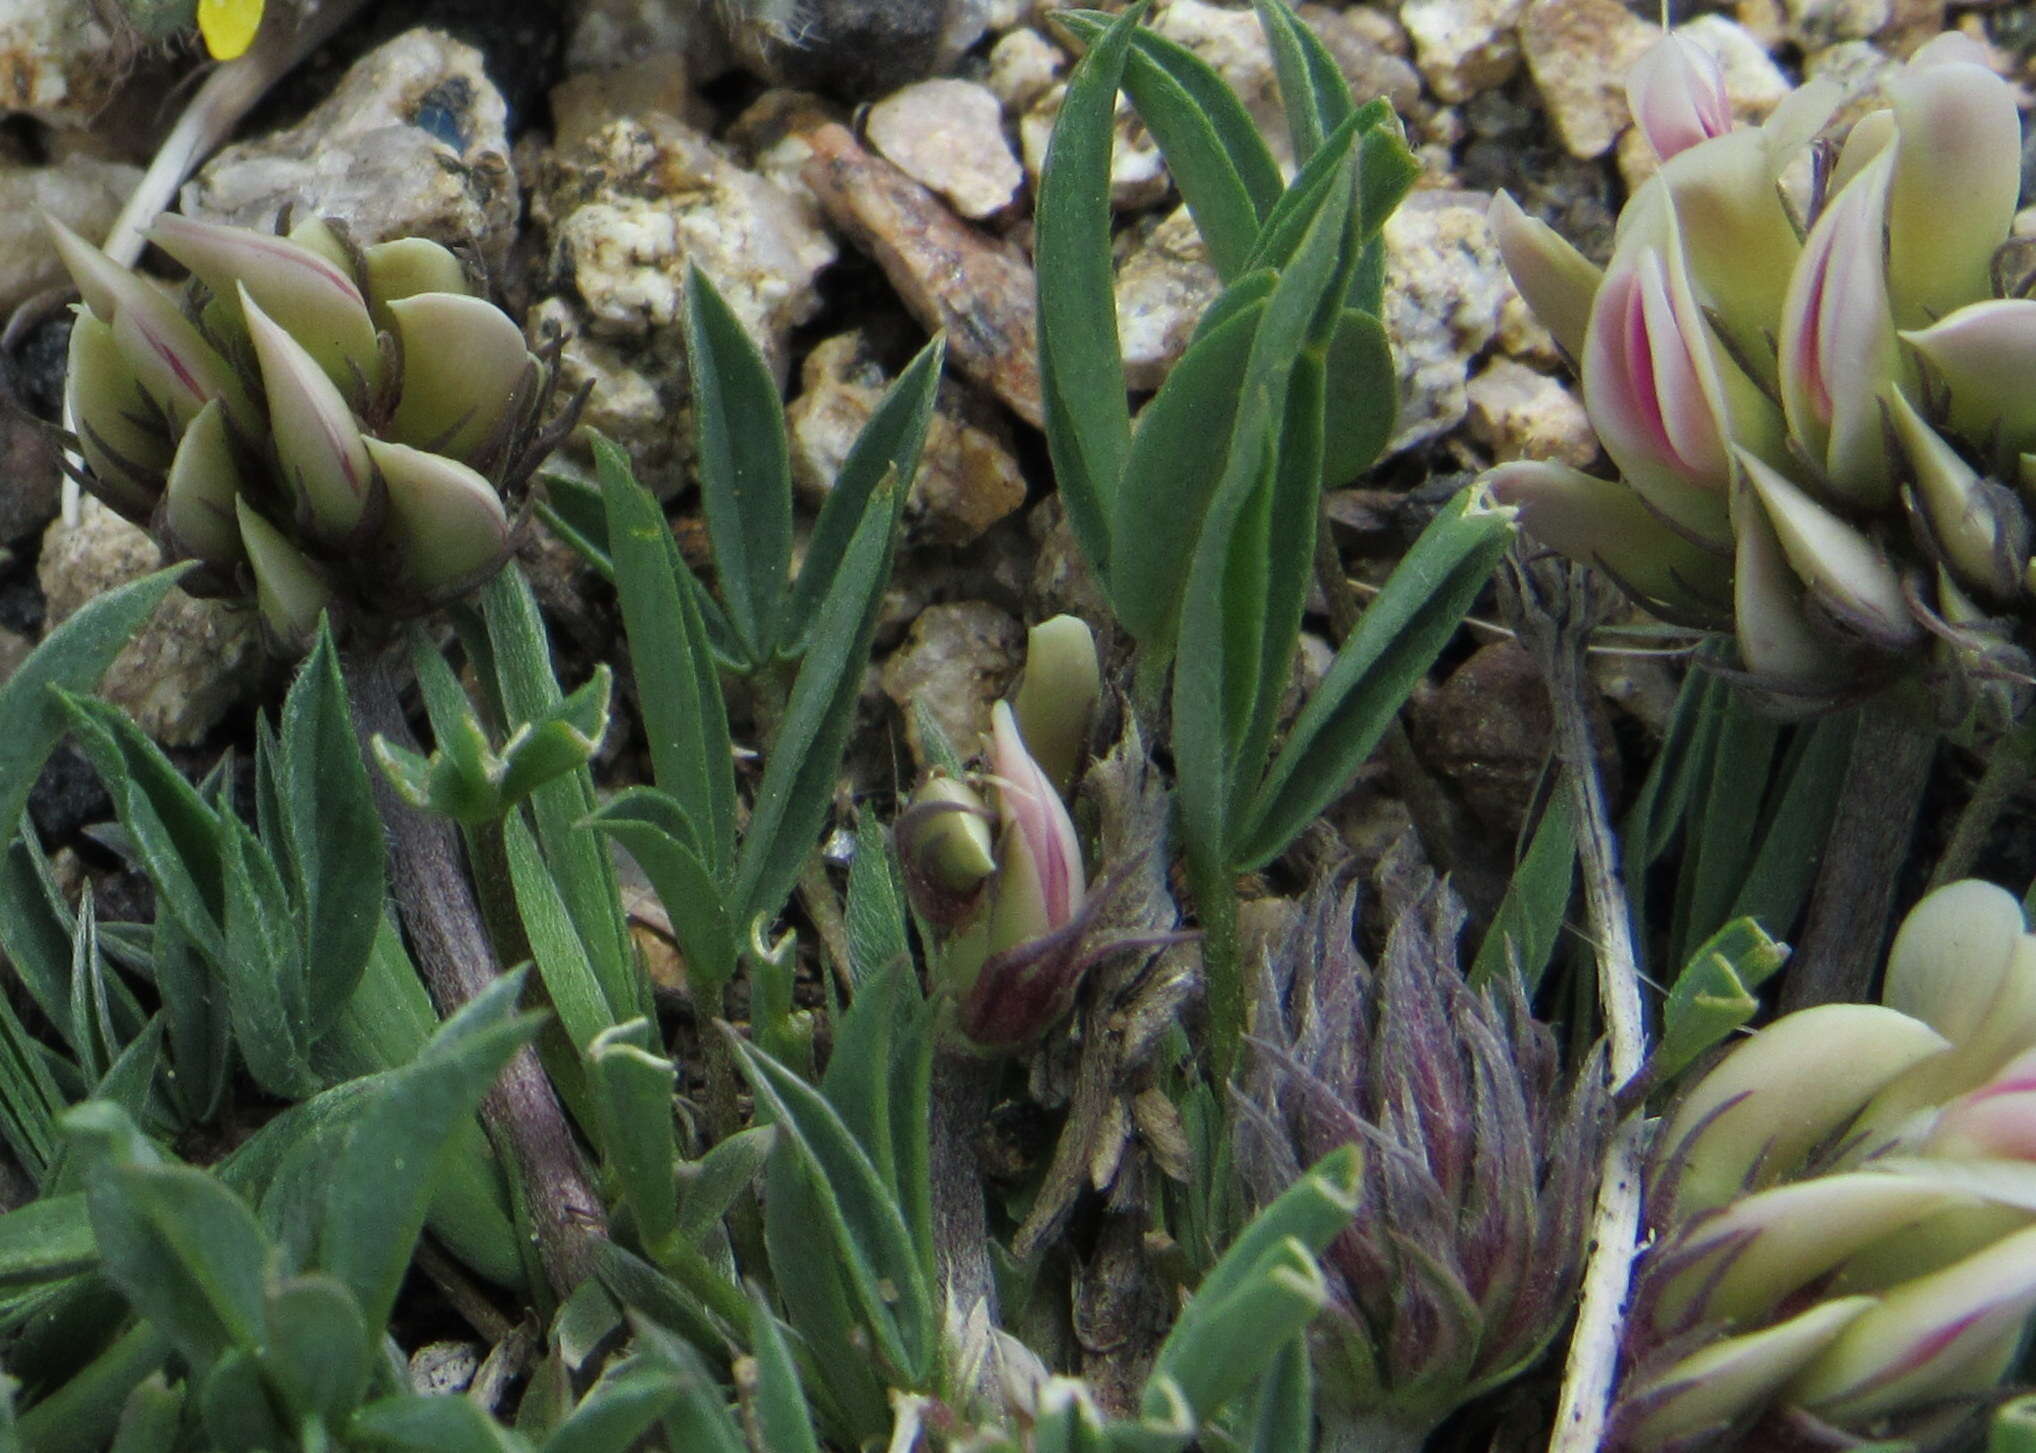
(59, 62)
(607, 34)
(189, 664)
(444, 1369)
(83, 191)
(968, 477)
(948, 275)
(958, 660)
(949, 136)
(1138, 177)
(1162, 288)
(852, 49)
(1023, 67)
(1517, 413)
(412, 143)
(1464, 46)
(1578, 52)
(619, 218)
(1445, 290)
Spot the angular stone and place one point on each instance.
(959, 658)
(1464, 46)
(412, 143)
(1579, 52)
(949, 136)
(1517, 413)
(1446, 289)
(1162, 288)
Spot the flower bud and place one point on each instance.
(198, 500)
(1040, 886)
(466, 376)
(1837, 341)
(1982, 357)
(1057, 694)
(1844, 571)
(289, 591)
(1734, 1378)
(1952, 1332)
(1557, 281)
(446, 528)
(1676, 91)
(1975, 526)
(121, 431)
(319, 446)
(945, 848)
(1767, 1103)
(312, 300)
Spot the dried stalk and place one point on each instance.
(521, 1113)
(1556, 620)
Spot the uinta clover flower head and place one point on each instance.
(1822, 414)
(1479, 1157)
(319, 425)
(1844, 1207)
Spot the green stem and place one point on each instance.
(1215, 892)
(1863, 856)
(2007, 769)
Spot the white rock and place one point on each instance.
(188, 665)
(958, 660)
(412, 143)
(968, 477)
(58, 61)
(626, 213)
(1517, 413)
(1464, 46)
(949, 135)
(1232, 42)
(1445, 291)
(1137, 171)
(82, 191)
(1754, 82)
(1162, 289)
(1579, 52)
(1023, 67)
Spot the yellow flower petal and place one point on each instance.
(229, 26)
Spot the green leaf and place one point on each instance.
(562, 741)
(1317, 97)
(888, 447)
(701, 1421)
(72, 658)
(38, 934)
(1081, 367)
(175, 833)
(318, 1349)
(234, 1405)
(1778, 880)
(880, 1080)
(745, 471)
(519, 675)
(874, 915)
(1313, 1211)
(562, 962)
(778, 1405)
(1215, 1355)
(1174, 467)
(1363, 405)
(621, 1407)
(680, 693)
(1284, 1419)
(1713, 995)
(333, 833)
(2014, 1427)
(81, 1416)
(1386, 172)
(149, 1420)
(45, 1241)
(1325, 180)
(1529, 922)
(1397, 639)
(797, 791)
(264, 968)
(1723, 840)
(710, 1186)
(865, 1232)
(383, 1175)
(633, 1086)
(1212, 147)
(578, 514)
(413, 1423)
(184, 1249)
(655, 830)
(200, 1032)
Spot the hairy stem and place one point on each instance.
(962, 1089)
(521, 1113)
(2006, 771)
(1556, 624)
(1863, 854)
